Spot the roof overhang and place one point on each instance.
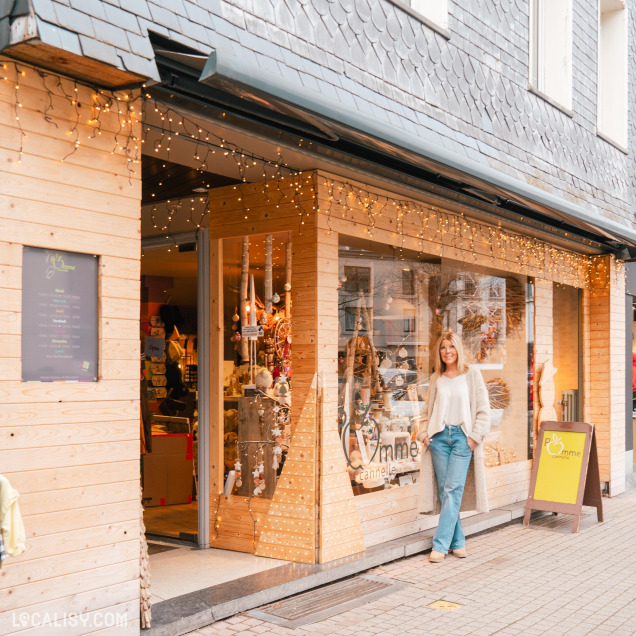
(349, 129)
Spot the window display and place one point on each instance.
(257, 362)
(392, 305)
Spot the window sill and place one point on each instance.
(610, 141)
(546, 98)
(444, 32)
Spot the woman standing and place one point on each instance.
(458, 421)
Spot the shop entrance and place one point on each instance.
(175, 295)
(170, 409)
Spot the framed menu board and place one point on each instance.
(59, 316)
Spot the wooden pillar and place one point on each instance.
(314, 484)
(605, 383)
(216, 377)
(339, 529)
(289, 531)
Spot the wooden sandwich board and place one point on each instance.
(565, 473)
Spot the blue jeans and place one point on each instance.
(451, 456)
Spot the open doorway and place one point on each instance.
(169, 325)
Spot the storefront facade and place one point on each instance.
(337, 247)
(371, 301)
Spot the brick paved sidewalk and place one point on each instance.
(516, 580)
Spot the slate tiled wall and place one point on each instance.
(468, 93)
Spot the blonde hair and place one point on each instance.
(456, 341)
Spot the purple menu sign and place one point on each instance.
(59, 316)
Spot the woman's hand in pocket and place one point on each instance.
(472, 443)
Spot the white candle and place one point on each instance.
(252, 302)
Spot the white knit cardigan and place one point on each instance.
(475, 493)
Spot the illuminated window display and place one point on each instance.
(392, 306)
(257, 362)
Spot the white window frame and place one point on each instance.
(612, 84)
(433, 13)
(551, 51)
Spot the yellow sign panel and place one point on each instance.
(560, 465)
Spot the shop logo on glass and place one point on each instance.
(366, 435)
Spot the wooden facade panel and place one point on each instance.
(25, 437)
(116, 267)
(58, 216)
(14, 597)
(30, 392)
(40, 481)
(71, 449)
(75, 197)
(69, 455)
(30, 414)
(80, 518)
(94, 153)
(63, 564)
(73, 240)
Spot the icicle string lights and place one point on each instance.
(120, 103)
(466, 238)
(462, 236)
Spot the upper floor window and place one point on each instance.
(434, 10)
(612, 71)
(551, 50)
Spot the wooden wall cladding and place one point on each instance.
(70, 449)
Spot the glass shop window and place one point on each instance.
(256, 362)
(385, 326)
(393, 305)
(490, 310)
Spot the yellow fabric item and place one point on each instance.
(11, 526)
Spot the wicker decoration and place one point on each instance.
(498, 393)
(515, 303)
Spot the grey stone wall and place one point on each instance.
(468, 93)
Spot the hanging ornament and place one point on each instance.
(237, 469)
(236, 317)
(403, 352)
(399, 380)
(256, 473)
(386, 307)
(263, 318)
(287, 286)
(275, 298)
(236, 336)
(389, 300)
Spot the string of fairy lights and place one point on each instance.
(433, 228)
(100, 103)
